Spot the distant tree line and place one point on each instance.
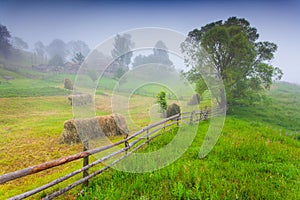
(56, 53)
(159, 56)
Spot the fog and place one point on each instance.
(94, 22)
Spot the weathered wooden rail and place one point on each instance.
(147, 134)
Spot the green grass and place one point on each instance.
(257, 155)
(282, 108)
(135, 83)
(30, 129)
(259, 164)
(22, 86)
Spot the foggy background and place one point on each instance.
(93, 21)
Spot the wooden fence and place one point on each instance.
(130, 142)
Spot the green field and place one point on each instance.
(257, 155)
(259, 164)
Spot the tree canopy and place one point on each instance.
(234, 52)
(19, 43)
(122, 51)
(5, 46)
(56, 61)
(40, 51)
(73, 47)
(57, 47)
(78, 58)
(159, 56)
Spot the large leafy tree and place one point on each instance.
(40, 51)
(56, 61)
(234, 52)
(57, 47)
(160, 52)
(5, 46)
(122, 51)
(77, 46)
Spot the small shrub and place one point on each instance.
(195, 100)
(173, 109)
(161, 100)
(68, 84)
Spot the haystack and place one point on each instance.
(80, 99)
(195, 100)
(173, 109)
(77, 130)
(68, 84)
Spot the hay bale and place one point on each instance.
(173, 109)
(68, 84)
(80, 99)
(121, 124)
(79, 130)
(195, 100)
(69, 134)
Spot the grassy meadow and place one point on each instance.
(257, 155)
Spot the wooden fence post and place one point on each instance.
(147, 136)
(85, 162)
(126, 143)
(206, 113)
(192, 117)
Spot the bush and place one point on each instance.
(161, 100)
(68, 84)
(195, 100)
(173, 109)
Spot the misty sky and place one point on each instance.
(94, 21)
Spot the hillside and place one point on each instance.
(256, 157)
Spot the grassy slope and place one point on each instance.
(257, 157)
(254, 158)
(281, 110)
(22, 86)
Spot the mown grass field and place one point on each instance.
(256, 157)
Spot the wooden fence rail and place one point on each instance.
(148, 135)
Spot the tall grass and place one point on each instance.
(259, 164)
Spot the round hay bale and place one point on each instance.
(69, 135)
(80, 99)
(107, 125)
(92, 128)
(68, 84)
(122, 128)
(195, 100)
(173, 109)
